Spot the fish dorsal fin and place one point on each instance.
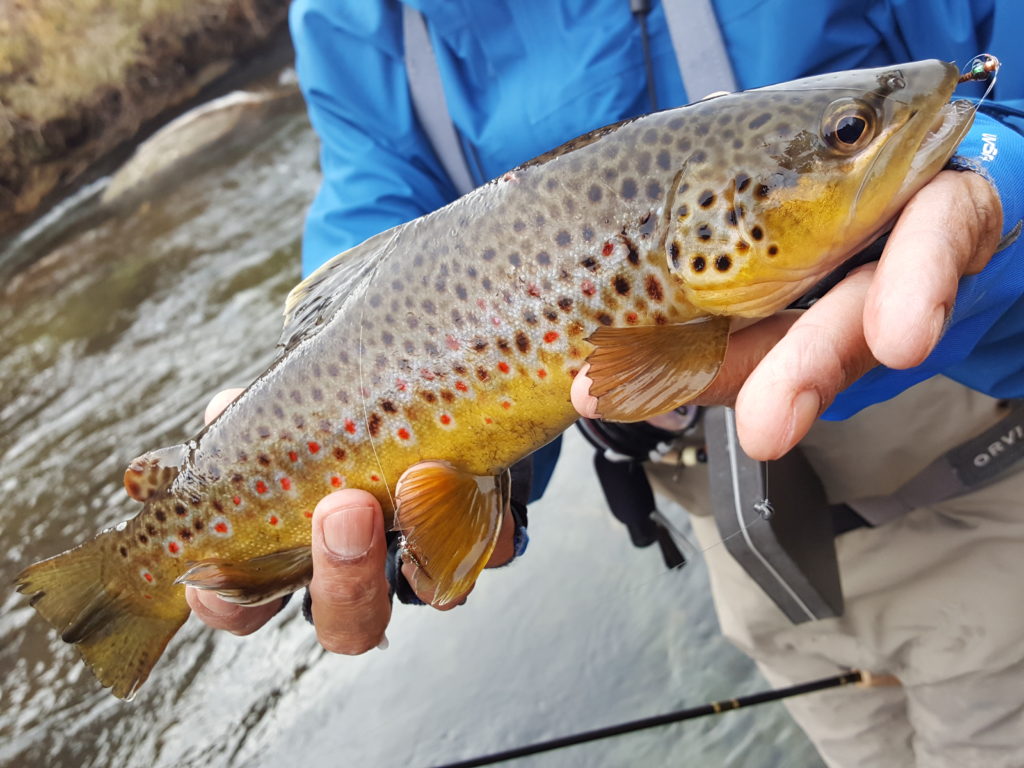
(316, 298)
(255, 581)
(152, 472)
(639, 372)
(451, 520)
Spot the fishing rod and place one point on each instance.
(856, 676)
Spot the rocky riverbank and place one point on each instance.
(79, 78)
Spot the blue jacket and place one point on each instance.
(522, 77)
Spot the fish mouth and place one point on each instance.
(949, 126)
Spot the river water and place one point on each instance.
(111, 343)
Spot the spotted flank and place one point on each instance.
(421, 364)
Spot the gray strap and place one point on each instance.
(429, 102)
(975, 463)
(700, 51)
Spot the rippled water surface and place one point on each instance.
(112, 343)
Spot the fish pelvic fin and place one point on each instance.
(639, 372)
(451, 520)
(255, 581)
(119, 632)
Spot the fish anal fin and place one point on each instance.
(255, 581)
(640, 371)
(314, 300)
(119, 634)
(152, 472)
(450, 520)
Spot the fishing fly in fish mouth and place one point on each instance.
(443, 350)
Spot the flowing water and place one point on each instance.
(111, 343)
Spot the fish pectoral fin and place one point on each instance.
(255, 581)
(450, 520)
(152, 472)
(639, 372)
(315, 299)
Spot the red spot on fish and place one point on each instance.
(400, 385)
(533, 290)
(573, 372)
(506, 404)
(148, 576)
(607, 250)
(313, 447)
(451, 342)
(308, 513)
(173, 547)
(148, 597)
(446, 419)
(336, 481)
(350, 426)
(631, 318)
(461, 386)
(403, 433)
(293, 455)
(428, 375)
(237, 500)
(273, 520)
(542, 373)
(375, 478)
(551, 336)
(496, 321)
(488, 420)
(221, 527)
(503, 366)
(261, 487)
(481, 303)
(588, 288)
(286, 484)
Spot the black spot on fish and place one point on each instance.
(742, 245)
(430, 397)
(550, 314)
(756, 232)
(471, 272)
(431, 349)
(388, 407)
(632, 254)
(263, 431)
(199, 524)
(216, 505)
(428, 306)
(543, 258)
(664, 160)
(123, 550)
(706, 199)
(185, 534)
(479, 345)
(682, 211)
(703, 128)
(409, 346)
(643, 163)
(730, 216)
(488, 255)
(621, 285)
(758, 121)
(237, 478)
(460, 369)
(332, 370)
(263, 459)
(514, 259)
(650, 136)
(610, 174)
(698, 263)
(373, 424)
(676, 123)
(587, 233)
(522, 342)
(278, 412)
(456, 317)
(604, 318)
(539, 219)
(503, 345)
(654, 289)
(440, 285)
(518, 225)
(763, 190)
(629, 189)
(563, 238)
(673, 252)
(375, 300)
(653, 190)
(486, 283)
(397, 285)
(699, 156)
(151, 529)
(722, 263)
(772, 250)
(180, 510)
(590, 263)
(447, 395)
(684, 145)
(704, 232)
(530, 317)
(482, 374)
(594, 193)
(143, 538)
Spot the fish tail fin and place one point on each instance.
(119, 631)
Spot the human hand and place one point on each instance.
(783, 372)
(351, 604)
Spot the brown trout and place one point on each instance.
(444, 348)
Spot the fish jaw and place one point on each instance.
(800, 203)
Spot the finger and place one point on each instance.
(351, 606)
(822, 353)
(219, 402)
(504, 552)
(220, 614)
(948, 229)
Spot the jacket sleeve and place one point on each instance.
(983, 346)
(378, 168)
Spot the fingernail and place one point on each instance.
(383, 645)
(214, 604)
(939, 320)
(348, 532)
(805, 409)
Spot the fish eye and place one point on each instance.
(848, 125)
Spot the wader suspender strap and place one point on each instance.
(700, 51)
(428, 100)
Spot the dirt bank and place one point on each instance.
(80, 77)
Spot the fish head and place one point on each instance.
(796, 178)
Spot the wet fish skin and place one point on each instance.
(448, 345)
